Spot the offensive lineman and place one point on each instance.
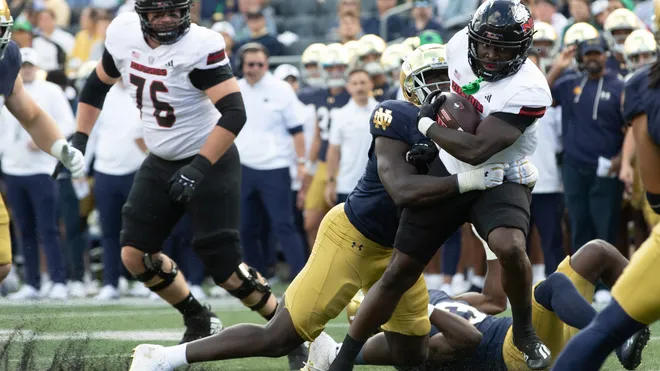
(351, 251)
(635, 301)
(192, 109)
(39, 124)
(511, 93)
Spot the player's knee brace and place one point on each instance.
(251, 283)
(153, 268)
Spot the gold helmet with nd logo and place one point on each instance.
(6, 21)
(311, 63)
(334, 61)
(545, 40)
(640, 49)
(618, 25)
(424, 71)
(392, 59)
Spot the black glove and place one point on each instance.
(78, 141)
(422, 155)
(431, 107)
(186, 179)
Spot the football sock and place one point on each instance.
(176, 355)
(347, 354)
(189, 306)
(589, 349)
(558, 294)
(522, 324)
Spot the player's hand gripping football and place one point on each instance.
(70, 155)
(428, 112)
(421, 155)
(485, 177)
(184, 182)
(522, 172)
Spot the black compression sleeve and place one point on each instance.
(109, 65)
(204, 79)
(520, 122)
(94, 91)
(233, 112)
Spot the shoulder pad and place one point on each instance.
(210, 51)
(121, 32)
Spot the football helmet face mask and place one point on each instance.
(335, 62)
(424, 71)
(164, 32)
(500, 34)
(6, 22)
(640, 49)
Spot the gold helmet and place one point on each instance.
(579, 32)
(312, 72)
(621, 23)
(640, 48)
(334, 62)
(371, 45)
(412, 42)
(352, 48)
(417, 68)
(393, 56)
(6, 21)
(545, 39)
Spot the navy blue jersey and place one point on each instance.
(488, 355)
(381, 93)
(323, 103)
(613, 65)
(9, 67)
(639, 99)
(369, 207)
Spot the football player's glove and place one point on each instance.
(522, 172)
(71, 155)
(184, 182)
(421, 155)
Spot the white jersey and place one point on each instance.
(524, 93)
(177, 117)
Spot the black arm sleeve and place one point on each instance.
(109, 65)
(233, 112)
(94, 91)
(204, 79)
(520, 122)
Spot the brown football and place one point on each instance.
(458, 113)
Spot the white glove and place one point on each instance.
(487, 176)
(522, 172)
(70, 157)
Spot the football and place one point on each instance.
(458, 113)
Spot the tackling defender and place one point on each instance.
(561, 306)
(636, 303)
(192, 110)
(353, 245)
(488, 65)
(39, 124)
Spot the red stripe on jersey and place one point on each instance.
(149, 70)
(537, 112)
(215, 57)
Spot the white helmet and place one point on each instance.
(638, 45)
(311, 63)
(336, 59)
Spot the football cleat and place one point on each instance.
(630, 352)
(537, 355)
(200, 326)
(148, 357)
(321, 353)
(297, 357)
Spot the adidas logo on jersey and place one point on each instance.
(169, 64)
(488, 97)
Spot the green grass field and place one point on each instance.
(83, 335)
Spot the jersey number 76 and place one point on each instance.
(163, 111)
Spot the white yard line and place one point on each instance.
(143, 335)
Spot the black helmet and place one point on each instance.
(168, 36)
(504, 24)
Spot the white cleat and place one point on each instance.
(108, 292)
(26, 292)
(77, 290)
(59, 292)
(321, 353)
(123, 286)
(148, 357)
(46, 286)
(198, 292)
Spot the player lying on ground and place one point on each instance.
(40, 125)
(488, 66)
(354, 243)
(191, 109)
(561, 306)
(636, 303)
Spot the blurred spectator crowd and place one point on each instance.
(66, 233)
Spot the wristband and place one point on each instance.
(470, 181)
(424, 124)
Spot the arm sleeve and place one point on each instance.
(520, 122)
(109, 65)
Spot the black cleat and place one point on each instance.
(200, 326)
(537, 355)
(630, 352)
(298, 357)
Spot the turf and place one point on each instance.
(83, 335)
